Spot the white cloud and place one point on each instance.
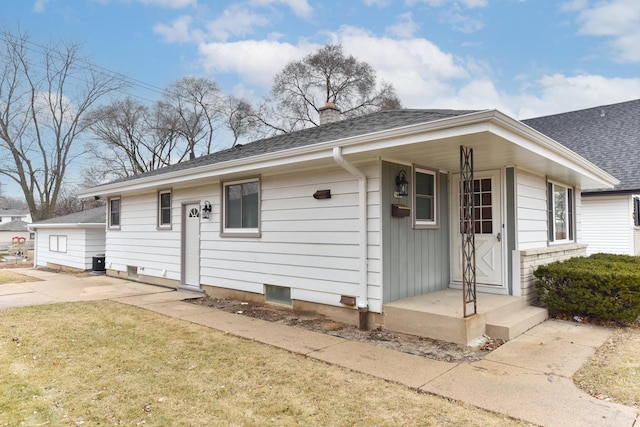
(376, 3)
(235, 21)
(255, 61)
(170, 4)
(417, 68)
(299, 7)
(38, 5)
(471, 4)
(405, 27)
(617, 19)
(560, 93)
(462, 21)
(178, 32)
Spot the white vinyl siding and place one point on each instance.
(607, 224)
(531, 207)
(308, 245)
(82, 244)
(142, 244)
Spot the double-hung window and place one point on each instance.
(425, 190)
(560, 212)
(114, 212)
(164, 209)
(241, 207)
(636, 211)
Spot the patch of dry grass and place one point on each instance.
(111, 364)
(613, 372)
(8, 276)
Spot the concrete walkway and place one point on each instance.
(528, 378)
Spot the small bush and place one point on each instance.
(603, 286)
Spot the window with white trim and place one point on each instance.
(164, 209)
(636, 211)
(57, 243)
(241, 206)
(425, 198)
(114, 212)
(560, 212)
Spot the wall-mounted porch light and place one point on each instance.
(402, 184)
(206, 210)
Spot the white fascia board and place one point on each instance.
(34, 227)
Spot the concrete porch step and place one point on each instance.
(508, 326)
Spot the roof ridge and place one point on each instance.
(583, 110)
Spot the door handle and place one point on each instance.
(499, 237)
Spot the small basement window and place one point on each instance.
(278, 294)
(132, 272)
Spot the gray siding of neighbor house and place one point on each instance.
(415, 262)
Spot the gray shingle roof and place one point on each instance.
(90, 216)
(608, 136)
(17, 225)
(374, 122)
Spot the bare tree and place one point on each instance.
(196, 103)
(132, 138)
(327, 75)
(45, 94)
(240, 118)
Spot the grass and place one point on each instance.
(613, 372)
(104, 363)
(8, 276)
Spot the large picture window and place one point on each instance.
(560, 212)
(114, 212)
(241, 202)
(164, 209)
(425, 190)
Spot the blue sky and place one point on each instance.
(524, 57)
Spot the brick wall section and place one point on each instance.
(530, 259)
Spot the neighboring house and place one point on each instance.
(317, 219)
(70, 241)
(15, 237)
(608, 136)
(8, 215)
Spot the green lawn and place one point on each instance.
(104, 363)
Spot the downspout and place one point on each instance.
(363, 297)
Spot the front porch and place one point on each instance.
(439, 315)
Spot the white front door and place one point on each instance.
(487, 197)
(191, 245)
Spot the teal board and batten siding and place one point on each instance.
(415, 262)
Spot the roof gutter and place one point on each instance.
(363, 295)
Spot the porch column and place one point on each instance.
(467, 231)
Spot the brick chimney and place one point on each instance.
(329, 113)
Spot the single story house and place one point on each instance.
(8, 215)
(360, 219)
(70, 241)
(608, 136)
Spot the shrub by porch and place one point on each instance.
(603, 286)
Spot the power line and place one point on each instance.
(92, 67)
